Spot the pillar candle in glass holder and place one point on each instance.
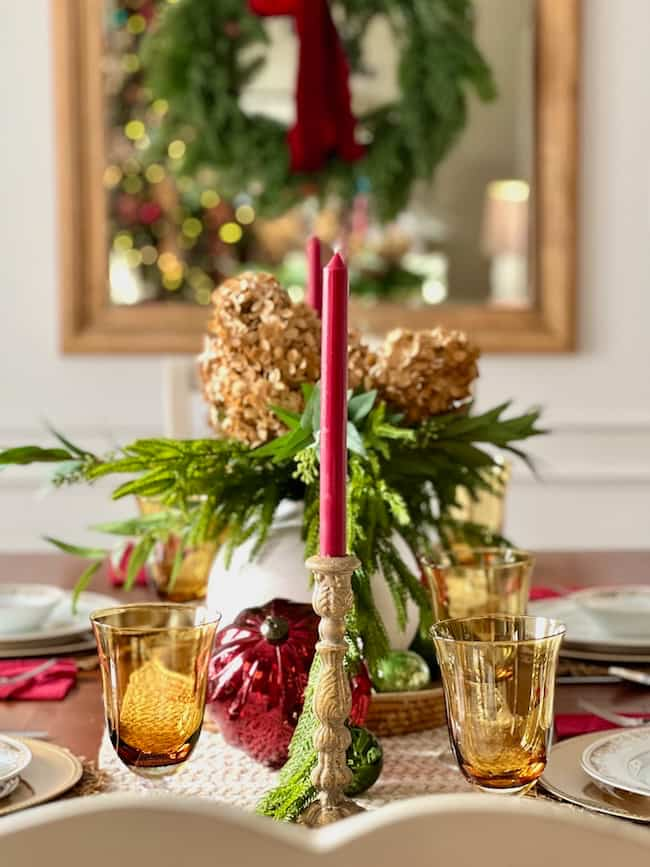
(334, 410)
(314, 276)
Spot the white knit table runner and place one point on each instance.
(418, 764)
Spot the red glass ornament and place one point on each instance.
(258, 676)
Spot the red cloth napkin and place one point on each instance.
(551, 592)
(51, 685)
(568, 725)
(544, 593)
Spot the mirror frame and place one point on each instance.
(89, 324)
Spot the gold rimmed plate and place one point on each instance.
(82, 644)
(604, 656)
(52, 772)
(565, 779)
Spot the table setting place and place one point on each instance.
(234, 677)
(500, 656)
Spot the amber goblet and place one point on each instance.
(498, 675)
(190, 582)
(472, 582)
(485, 507)
(154, 665)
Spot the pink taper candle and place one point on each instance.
(334, 408)
(314, 276)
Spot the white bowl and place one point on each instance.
(623, 612)
(26, 607)
(14, 758)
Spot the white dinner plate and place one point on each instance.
(622, 611)
(621, 760)
(14, 758)
(61, 623)
(584, 632)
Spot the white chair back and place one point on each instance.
(185, 415)
(453, 830)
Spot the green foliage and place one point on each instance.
(210, 488)
(204, 52)
(23, 455)
(402, 484)
(295, 791)
(83, 581)
(72, 462)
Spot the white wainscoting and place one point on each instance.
(31, 508)
(593, 489)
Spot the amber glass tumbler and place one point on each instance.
(498, 675)
(472, 582)
(154, 664)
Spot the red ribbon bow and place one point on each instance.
(324, 120)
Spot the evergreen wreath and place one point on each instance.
(203, 53)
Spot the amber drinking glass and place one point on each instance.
(498, 675)
(472, 582)
(191, 580)
(486, 507)
(154, 664)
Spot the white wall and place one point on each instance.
(94, 399)
(597, 464)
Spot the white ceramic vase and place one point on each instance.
(278, 571)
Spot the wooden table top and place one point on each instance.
(77, 722)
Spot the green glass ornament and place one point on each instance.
(365, 760)
(401, 671)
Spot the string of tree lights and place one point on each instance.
(172, 236)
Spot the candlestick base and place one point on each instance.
(318, 815)
(332, 600)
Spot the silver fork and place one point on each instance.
(611, 716)
(27, 675)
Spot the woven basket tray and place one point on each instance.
(402, 713)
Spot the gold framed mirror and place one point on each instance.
(108, 306)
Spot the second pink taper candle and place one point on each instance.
(334, 409)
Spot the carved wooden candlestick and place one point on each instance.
(332, 700)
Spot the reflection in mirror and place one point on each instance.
(464, 237)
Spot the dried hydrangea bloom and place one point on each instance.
(259, 349)
(360, 361)
(424, 373)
